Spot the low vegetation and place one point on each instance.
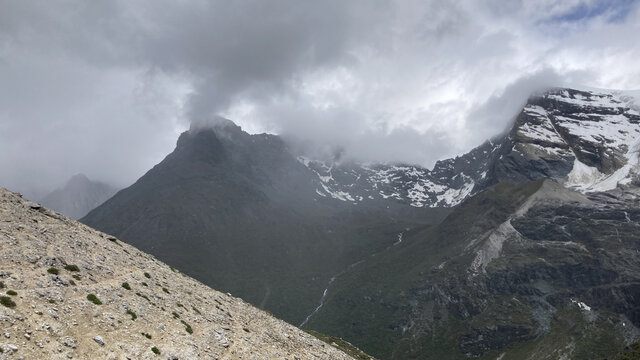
(71, 268)
(53, 271)
(7, 302)
(132, 314)
(126, 285)
(94, 299)
(12, 293)
(187, 327)
(155, 350)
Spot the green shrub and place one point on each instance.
(94, 299)
(144, 284)
(155, 350)
(144, 297)
(76, 276)
(133, 315)
(165, 290)
(148, 336)
(187, 327)
(12, 293)
(147, 275)
(126, 285)
(175, 315)
(1, 285)
(71, 268)
(6, 301)
(51, 301)
(53, 271)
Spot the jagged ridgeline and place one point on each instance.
(535, 258)
(68, 291)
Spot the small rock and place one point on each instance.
(7, 335)
(12, 347)
(27, 336)
(99, 340)
(34, 205)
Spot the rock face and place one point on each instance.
(586, 138)
(519, 271)
(78, 293)
(78, 196)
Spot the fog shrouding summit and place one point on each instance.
(104, 88)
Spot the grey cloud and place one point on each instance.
(104, 87)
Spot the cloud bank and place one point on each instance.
(105, 87)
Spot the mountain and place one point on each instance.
(68, 291)
(240, 213)
(522, 248)
(524, 268)
(586, 138)
(78, 196)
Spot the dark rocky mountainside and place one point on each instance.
(78, 196)
(240, 213)
(519, 271)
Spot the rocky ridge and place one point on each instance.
(586, 138)
(69, 291)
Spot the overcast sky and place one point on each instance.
(105, 87)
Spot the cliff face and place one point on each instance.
(68, 291)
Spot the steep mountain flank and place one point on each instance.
(68, 291)
(78, 196)
(241, 214)
(519, 271)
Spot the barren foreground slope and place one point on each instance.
(69, 291)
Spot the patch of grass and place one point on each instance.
(175, 315)
(126, 285)
(165, 290)
(187, 327)
(71, 267)
(76, 276)
(155, 350)
(144, 297)
(148, 336)
(7, 302)
(51, 301)
(133, 315)
(53, 271)
(12, 293)
(94, 299)
(147, 275)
